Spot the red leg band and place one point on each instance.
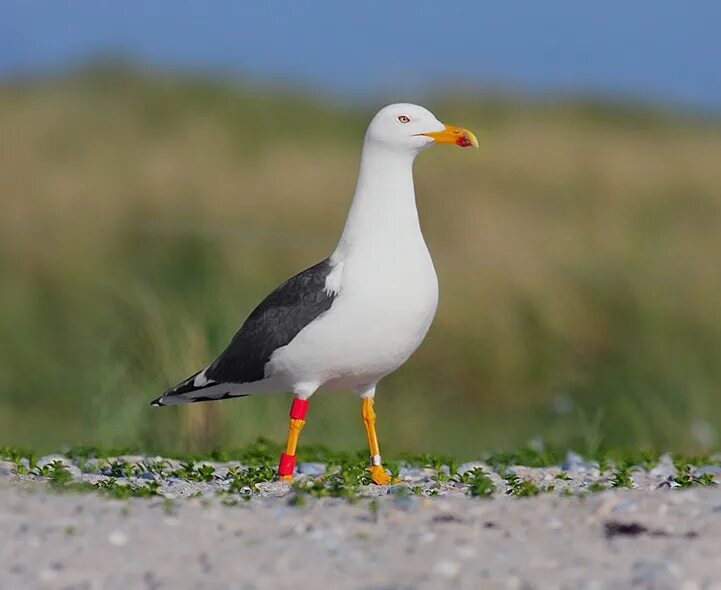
(299, 408)
(287, 464)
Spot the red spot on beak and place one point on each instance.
(464, 141)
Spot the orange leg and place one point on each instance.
(378, 474)
(297, 421)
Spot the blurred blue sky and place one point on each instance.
(661, 50)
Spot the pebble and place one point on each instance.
(714, 470)
(312, 469)
(415, 474)
(118, 538)
(123, 481)
(575, 463)
(447, 568)
(664, 468)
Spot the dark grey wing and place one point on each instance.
(274, 323)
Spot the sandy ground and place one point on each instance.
(610, 540)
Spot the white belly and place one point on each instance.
(382, 313)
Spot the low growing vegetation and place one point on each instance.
(344, 475)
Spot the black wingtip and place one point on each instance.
(157, 403)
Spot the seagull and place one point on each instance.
(355, 317)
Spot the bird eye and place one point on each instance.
(404, 119)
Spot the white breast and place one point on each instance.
(384, 308)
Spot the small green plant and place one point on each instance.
(40, 471)
(622, 477)
(307, 487)
(121, 491)
(245, 481)
(59, 475)
(479, 483)
(685, 479)
(190, 471)
(205, 473)
(394, 468)
(120, 468)
(156, 467)
(345, 481)
(705, 480)
(24, 461)
(443, 465)
(563, 476)
(520, 487)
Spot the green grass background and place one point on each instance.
(143, 216)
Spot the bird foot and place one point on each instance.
(379, 475)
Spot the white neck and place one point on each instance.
(384, 203)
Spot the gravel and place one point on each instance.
(418, 533)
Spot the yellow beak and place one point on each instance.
(452, 134)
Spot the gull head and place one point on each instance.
(411, 127)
